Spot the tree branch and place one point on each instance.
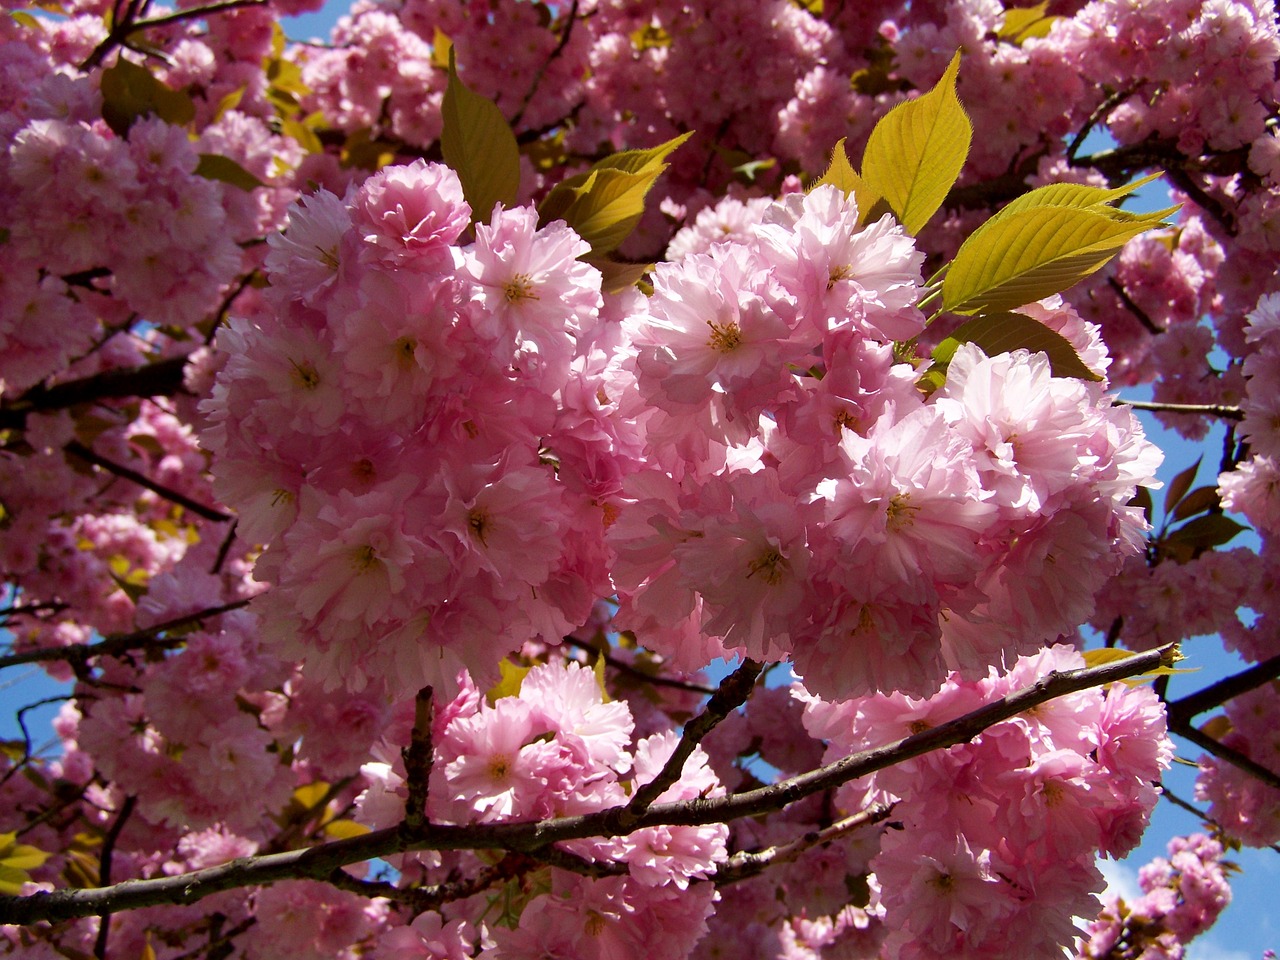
(1181, 711)
(1141, 315)
(79, 654)
(623, 667)
(1202, 409)
(1223, 752)
(319, 862)
(78, 449)
(104, 871)
(744, 865)
(160, 379)
(418, 757)
(731, 694)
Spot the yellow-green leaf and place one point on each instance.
(617, 276)
(650, 36)
(917, 150)
(509, 686)
(441, 49)
(841, 174)
(304, 133)
(478, 144)
(1005, 332)
(1096, 658)
(344, 829)
(1018, 259)
(604, 204)
(649, 161)
(1080, 196)
(229, 102)
(16, 859)
(309, 795)
(130, 92)
(1022, 23)
(214, 166)
(25, 19)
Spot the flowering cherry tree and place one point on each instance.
(399, 436)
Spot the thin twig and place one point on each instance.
(1142, 316)
(104, 872)
(731, 694)
(546, 64)
(115, 644)
(78, 449)
(1202, 814)
(1223, 752)
(1101, 110)
(744, 865)
(623, 667)
(529, 837)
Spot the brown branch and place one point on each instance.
(530, 837)
(1202, 814)
(1223, 752)
(126, 26)
(418, 757)
(744, 865)
(1181, 711)
(79, 450)
(162, 378)
(116, 644)
(623, 667)
(104, 872)
(1141, 315)
(731, 694)
(1201, 409)
(546, 64)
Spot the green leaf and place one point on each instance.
(841, 174)
(1199, 500)
(25, 19)
(304, 132)
(229, 102)
(1081, 196)
(1022, 23)
(917, 150)
(1180, 484)
(441, 49)
(345, 829)
(650, 161)
(512, 677)
(214, 166)
(604, 204)
(15, 860)
(130, 92)
(616, 275)
(1102, 655)
(1142, 499)
(649, 36)
(999, 333)
(1018, 259)
(1200, 535)
(478, 144)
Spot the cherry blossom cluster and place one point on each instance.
(556, 748)
(433, 441)
(1181, 898)
(996, 839)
